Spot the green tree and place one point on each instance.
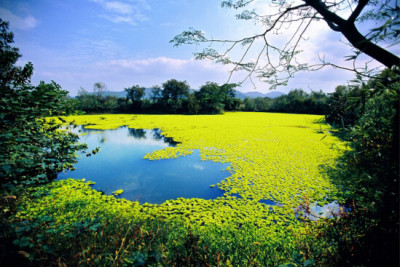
(32, 150)
(228, 96)
(156, 99)
(193, 106)
(210, 98)
(214, 99)
(156, 94)
(10, 74)
(86, 101)
(174, 95)
(346, 104)
(134, 94)
(368, 174)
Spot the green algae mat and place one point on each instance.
(276, 157)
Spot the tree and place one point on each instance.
(228, 95)
(369, 171)
(85, 101)
(174, 94)
(135, 94)
(32, 149)
(210, 98)
(10, 74)
(276, 64)
(98, 89)
(96, 102)
(156, 94)
(214, 99)
(193, 106)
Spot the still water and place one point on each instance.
(120, 165)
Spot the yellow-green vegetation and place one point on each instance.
(118, 192)
(272, 156)
(279, 157)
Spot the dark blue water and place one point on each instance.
(120, 165)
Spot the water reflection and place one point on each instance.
(120, 165)
(158, 136)
(315, 212)
(137, 133)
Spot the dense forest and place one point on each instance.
(176, 97)
(33, 151)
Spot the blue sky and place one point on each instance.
(126, 42)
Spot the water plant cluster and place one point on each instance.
(278, 157)
(256, 221)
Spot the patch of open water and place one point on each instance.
(120, 165)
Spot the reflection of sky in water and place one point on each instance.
(330, 210)
(120, 165)
(327, 211)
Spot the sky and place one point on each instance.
(122, 43)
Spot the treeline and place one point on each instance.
(176, 97)
(297, 101)
(173, 97)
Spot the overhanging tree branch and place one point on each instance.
(349, 30)
(276, 61)
(357, 11)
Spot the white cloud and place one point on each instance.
(22, 23)
(198, 167)
(119, 7)
(142, 64)
(129, 12)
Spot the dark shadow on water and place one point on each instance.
(120, 165)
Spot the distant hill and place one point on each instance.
(123, 93)
(254, 94)
(241, 95)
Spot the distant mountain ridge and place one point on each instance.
(255, 94)
(241, 95)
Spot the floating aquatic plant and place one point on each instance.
(274, 158)
(117, 192)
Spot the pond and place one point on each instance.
(120, 165)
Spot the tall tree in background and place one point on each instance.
(134, 94)
(210, 98)
(214, 99)
(174, 95)
(277, 63)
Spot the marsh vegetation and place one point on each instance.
(279, 167)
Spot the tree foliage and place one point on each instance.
(96, 102)
(134, 94)
(214, 99)
(277, 62)
(32, 150)
(367, 115)
(174, 94)
(296, 101)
